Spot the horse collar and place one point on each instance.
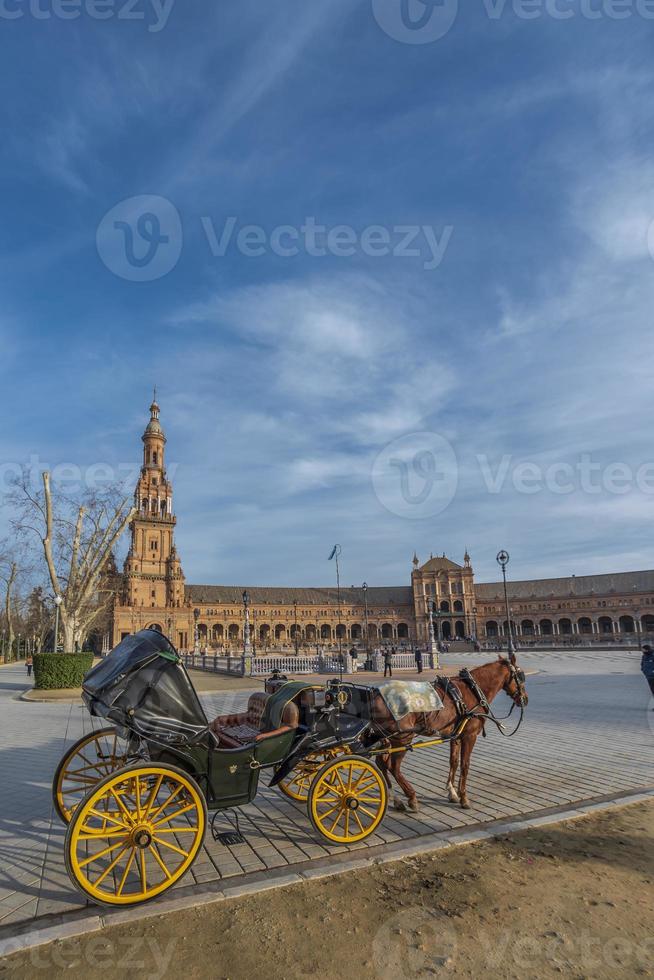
(466, 676)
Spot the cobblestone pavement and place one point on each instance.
(588, 733)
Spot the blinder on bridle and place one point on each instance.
(518, 675)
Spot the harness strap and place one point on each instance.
(450, 688)
(466, 676)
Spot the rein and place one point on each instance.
(483, 703)
(464, 714)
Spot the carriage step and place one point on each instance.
(229, 837)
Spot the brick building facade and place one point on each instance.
(154, 593)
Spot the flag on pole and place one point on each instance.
(333, 552)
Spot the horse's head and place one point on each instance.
(515, 682)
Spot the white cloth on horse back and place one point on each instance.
(408, 697)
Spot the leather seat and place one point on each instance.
(236, 730)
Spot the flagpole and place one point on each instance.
(336, 550)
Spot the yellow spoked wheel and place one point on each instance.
(298, 782)
(135, 834)
(347, 800)
(87, 762)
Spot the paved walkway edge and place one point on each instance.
(79, 923)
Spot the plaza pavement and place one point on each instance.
(588, 735)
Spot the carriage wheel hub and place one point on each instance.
(142, 838)
(352, 803)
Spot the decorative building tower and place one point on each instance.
(153, 573)
(447, 589)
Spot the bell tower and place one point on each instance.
(153, 572)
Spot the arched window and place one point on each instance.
(546, 627)
(647, 623)
(491, 628)
(403, 631)
(605, 624)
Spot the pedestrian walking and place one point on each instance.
(388, 661)
(29, 663)
(417, 653)
(354, 655)
(647, 666)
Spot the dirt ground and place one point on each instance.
(575, 899)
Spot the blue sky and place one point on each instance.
(298, 390)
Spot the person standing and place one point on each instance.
(29, 663)
(388, 661)
(647, 666)
(354, 657)
(417, 653)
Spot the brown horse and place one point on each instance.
(500, 675)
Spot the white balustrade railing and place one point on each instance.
(324, 664)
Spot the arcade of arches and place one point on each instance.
(153, 592)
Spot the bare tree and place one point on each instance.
(77, 539)
(8, 574)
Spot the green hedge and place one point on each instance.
(54, 670)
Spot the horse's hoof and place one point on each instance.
(465, 805)
(413, 806)
(399, 805)
(454, 797)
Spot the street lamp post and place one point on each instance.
(254, 632)
(57, 601)
(295, 626)
(196, 632)
(474, 623)
(502, 559)
(4, 659)
(365, 617)
(247, 645)
(431, 605)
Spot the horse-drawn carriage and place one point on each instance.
(135, 795)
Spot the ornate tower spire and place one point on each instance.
(154, 574)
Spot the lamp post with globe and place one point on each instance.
(503, 560)
(57, 601)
